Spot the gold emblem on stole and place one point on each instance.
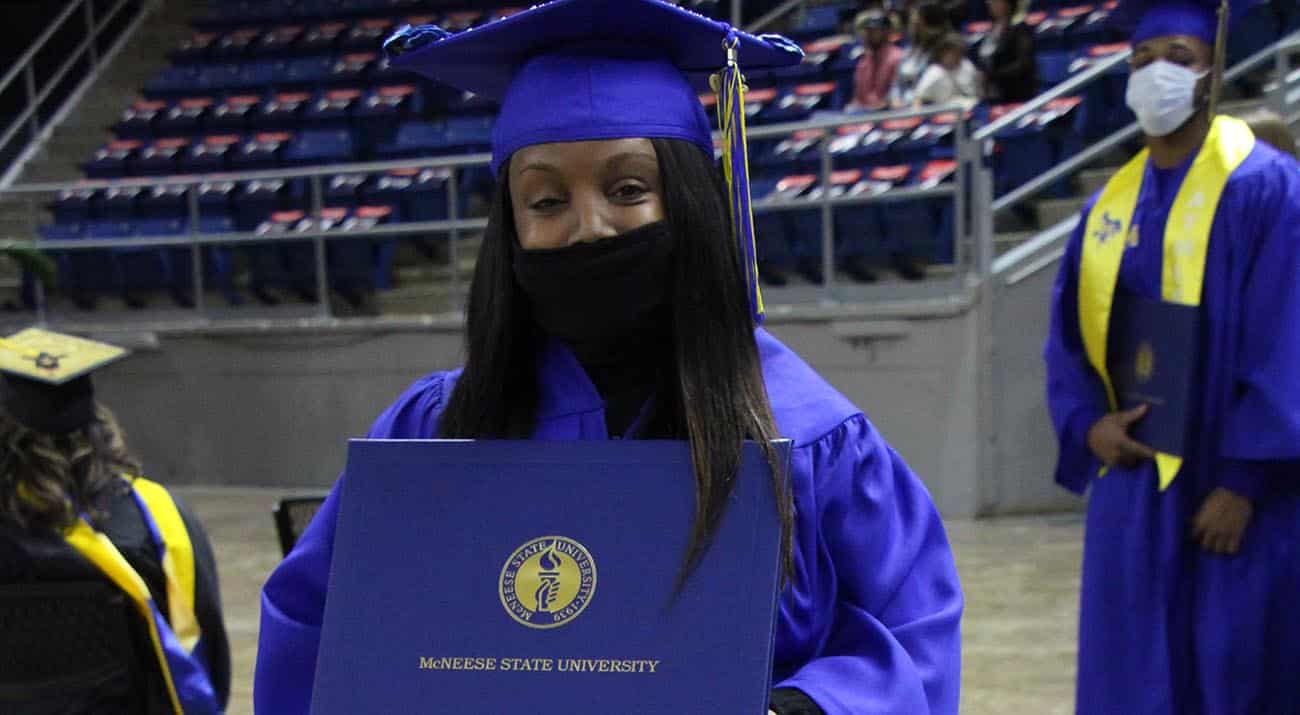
(548, 582)
(1145, 364)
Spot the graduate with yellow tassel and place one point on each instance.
(1187, 263)
(80, 531)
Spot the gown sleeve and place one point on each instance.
(1261, 434)
(1076, 397)
(293, 599)
(894, 643)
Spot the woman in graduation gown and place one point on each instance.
(84, 540)
(1191, 565)
(610, 300)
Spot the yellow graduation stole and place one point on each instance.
(178, 569)
(1186, 243)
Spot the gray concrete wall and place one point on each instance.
(277, 410)
(1022, 440)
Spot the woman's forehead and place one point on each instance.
(583, 154)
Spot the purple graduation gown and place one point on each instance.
(870, 623)
(1164, 627)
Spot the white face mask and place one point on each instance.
(1163, 96)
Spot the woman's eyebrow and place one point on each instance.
(538, 166)
(630, 157)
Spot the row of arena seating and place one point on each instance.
(1070, 27)
(463, 14)
(285, 83)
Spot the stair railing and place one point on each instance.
(27, 129)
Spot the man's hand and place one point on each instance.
(1108, 439)
(1222, 521)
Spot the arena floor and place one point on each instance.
(1021, 578)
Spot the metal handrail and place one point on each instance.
(73, 58)
(1061, 90)
(371, 167)
(772, 15)
(38, 44)
(1068, 167)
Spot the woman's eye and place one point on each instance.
(544, 204)
(629, 192)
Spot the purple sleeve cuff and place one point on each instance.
(792, 701)
(1243, 477)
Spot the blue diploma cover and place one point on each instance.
(539, 577)
(1152, 361)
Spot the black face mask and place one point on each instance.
(601, 291)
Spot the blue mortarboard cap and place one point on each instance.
(575, 70)
(1145, 19)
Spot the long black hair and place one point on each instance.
(712, 393)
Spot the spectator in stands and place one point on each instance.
(608, 301)
(1189, 258)
(878, 66)
(1006, 55)
(926, 25)
(951, 77)
(77, 518)
(1270, 129)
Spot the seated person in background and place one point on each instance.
(74, 515)
(950, 77)
(1006, 55)
(878, 66)
(1270, 129)
(926, 24)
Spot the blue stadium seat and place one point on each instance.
(332, 110)
(234, 45)
(258, 199)
(270, 265)
(1095, 28)
(799, 102)
(82, 275)
(283, 111)
(1057, 30)
(469, 134)
(160, 157)
(1103, 110)
(120, 203)
(173, 80)
(1053, 67)
(73, 206)
(322, 39)
(775, 236)
(277, 42)
(234, 113)
(148, 269)
(185, 117)
(858, 145)
(306, 72)
(757, 101)
(139, 119)
(413, 139)
(194, 49)
(416, 194)
(261, 151)
(216, 200)
(351, 69)
(383, 72)
(319, 146)
(818, 20)
(462, 20)
(366, 36)
(166, 201)
(209, 154)
(358, 266)
(796, 154)
(128, 270)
